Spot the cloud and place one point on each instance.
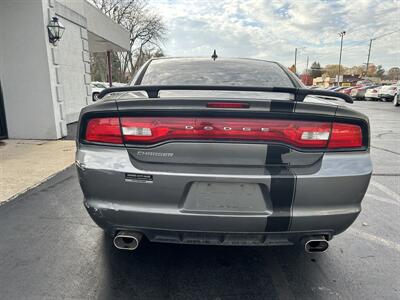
(273, 29)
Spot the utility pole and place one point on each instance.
(109, 68)
(369, 53)
(341, 34)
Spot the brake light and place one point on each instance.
(345, 136)
(227, 105)
(151, 130)
(103, 130)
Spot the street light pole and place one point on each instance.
(295, 57)
(341, 34)
(307, 65)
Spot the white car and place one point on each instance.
(97, 87)
(118, 84)
(353, 93)
(396, 98)
(387, 92)
(372, 94)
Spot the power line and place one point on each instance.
(370, 45)
(385, 34)
(357, 45)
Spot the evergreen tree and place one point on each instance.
(316, 70)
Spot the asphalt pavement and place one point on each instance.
(51, 249)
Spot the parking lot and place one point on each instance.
(51, 249)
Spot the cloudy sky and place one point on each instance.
(273, 29)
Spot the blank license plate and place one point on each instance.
(225, 197)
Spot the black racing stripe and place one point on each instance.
(282, 189)
(281, 194)
(282, 106)
(274, 154)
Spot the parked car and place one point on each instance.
(339, 88)
(387, 92)
(118, 84)
(331, 88)
(371, 94)
(97, 87)
(209, 163)
(347, 91)
(359, 92)
(396, 98)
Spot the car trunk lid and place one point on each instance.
(224, 134)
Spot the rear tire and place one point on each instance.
(95, 97)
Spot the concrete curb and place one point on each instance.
(13, 197)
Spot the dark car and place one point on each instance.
(224, 152)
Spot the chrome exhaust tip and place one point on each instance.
(125, 240)
(316, 245)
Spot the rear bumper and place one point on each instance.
(326, 201)
(229, 238)
(230, 229)
(215, 229)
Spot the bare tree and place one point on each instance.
(394, 73)
(146, 28)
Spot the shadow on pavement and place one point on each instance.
(71, 131)
(168, 271)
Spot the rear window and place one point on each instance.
(231, 72)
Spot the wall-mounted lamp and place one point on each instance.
(55, 30)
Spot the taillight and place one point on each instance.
(103, 130)
(152, 130)
(345, 136)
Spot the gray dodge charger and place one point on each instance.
(222, 152)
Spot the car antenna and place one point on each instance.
(214, 56)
